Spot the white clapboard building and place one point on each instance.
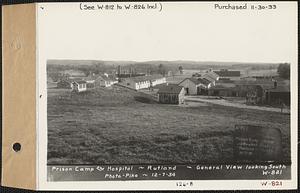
(142, 82)
(79, 86)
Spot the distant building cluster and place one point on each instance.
(227, 83)
(196, 85)
(81, 84)
(255, 89)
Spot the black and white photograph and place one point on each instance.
(169, 91)
(159, 112)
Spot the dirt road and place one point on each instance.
(224, 102)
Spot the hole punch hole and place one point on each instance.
(17, 147)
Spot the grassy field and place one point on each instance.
(120, 126)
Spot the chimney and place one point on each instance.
(119, 70)
(275, 84)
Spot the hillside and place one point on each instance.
(186, 64)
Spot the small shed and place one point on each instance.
(171, 94)
(79, 86)
(278, 95)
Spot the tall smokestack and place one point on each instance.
(131, 71)
(119, 70)
(275, 84)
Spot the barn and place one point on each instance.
(79, 86)
(190, 85)
(171, 94)
(194, 86)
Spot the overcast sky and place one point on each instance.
(181, 31)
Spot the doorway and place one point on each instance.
(187, 91)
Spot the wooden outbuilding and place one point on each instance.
(79, 86)
(280, 95)
(171, 94)
(195, 86)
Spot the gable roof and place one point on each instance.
(193, 80)
(197, 74)
(105, 78)
(213, 74)
(208, 78)
(79, 82)
(170, 89)
(228, 73)
(204, 81)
